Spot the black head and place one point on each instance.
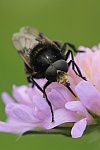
(56, 70)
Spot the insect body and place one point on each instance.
(44, 58)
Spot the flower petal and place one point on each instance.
(21, 112)
(16, 126)
(56, 99)
(41, 104)
(78, 107)
(20, 94)
(89, 96)
(61, 89)
(78, 128)
(24, 113)
(60, 116)
(42, 109)
(6, 98)
(97, 81)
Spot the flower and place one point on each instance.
(88, 91)
(89, 63)
(89, 96)
(28, 110)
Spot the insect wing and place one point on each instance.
(24, 43)
(39, 36)
(30, 31)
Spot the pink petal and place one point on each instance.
(61, 89)
(56, 99)
(77, 106)
(97, 81)
(4, 127)
(78, 128)
(22, 112)
(20, 94)
(39, 113)
(41, 104)
(16, 126)
(42, 109)
(89, 96)
(9, 110)
(60, 116)
(65, 93)
(95, 64)
(6, 98)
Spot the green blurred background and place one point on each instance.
(76, 21)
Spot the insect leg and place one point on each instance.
(72, 58)
(70, 45)
(44, 94)
(69, 53)
(78, 72)
(47, 84)
(49, 103)
(68, 86)
(63, 49)
(74, 65)
(30, 81)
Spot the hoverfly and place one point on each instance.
(44, 58)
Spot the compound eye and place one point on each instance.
(61, 65)
(51, 74)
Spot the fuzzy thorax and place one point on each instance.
(62, 78)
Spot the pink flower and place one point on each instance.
(88, 93)
(89, 96)
(29, 110)
(89, 63)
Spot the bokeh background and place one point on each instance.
(76, 21)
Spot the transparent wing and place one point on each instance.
(24, 42)
(39, 36)
(30, 31)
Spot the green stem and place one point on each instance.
(57, 130)
(66, 131)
